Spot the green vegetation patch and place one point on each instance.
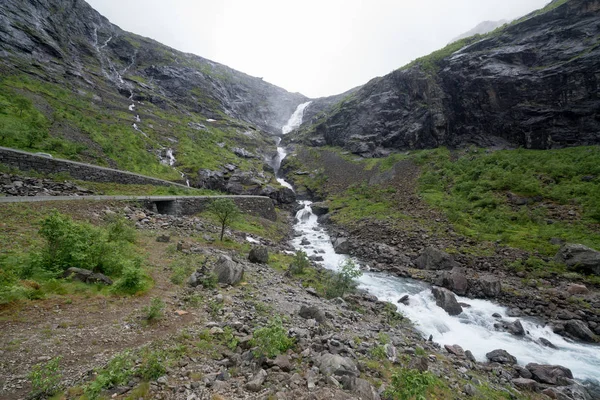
(558, 192)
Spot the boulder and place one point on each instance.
(341, 245)
(258, 255)
(228, 271)
(435, 259)
(574, 289)
(86, 276)
(446, 300)
(524, 383)
(501, 356)
(255, 384)
(163, 238)
(580, 258)
(455, 349)
(360, 387)
(515, 328)
(454, 280)
(319, 209)
(312, 312)
(490, 286)
(579, 330)
(334, 364)
(550, 374)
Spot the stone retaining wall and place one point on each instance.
(87, 172)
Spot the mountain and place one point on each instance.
(481, 29)
(79, 87)
(532, 84)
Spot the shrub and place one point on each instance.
(118, 371)
(132, 279)
(154, 311)
(225, 211)
(153, 366)
(342, 282)
(299, 263)
(410, 384)
(120, 230)
(272, 339)
(45, 378)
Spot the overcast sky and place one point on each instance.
(315, 47)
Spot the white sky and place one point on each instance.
(315, 47)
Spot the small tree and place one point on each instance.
(22, 104)
(343, 281)
(226, 212)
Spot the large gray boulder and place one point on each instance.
(86, 276)
(490, 286)
(320, 208)
(259, 255)
(579, 258)
(312, 312)
(435, 259)
(550, 374)
(579, 330)
(446, 299)
(341, 245)
(501, 356)
(454, 280)
(334, 364)
(228, 271)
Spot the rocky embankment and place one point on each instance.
(15, 185)
(528, 85)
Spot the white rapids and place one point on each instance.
(473, 329)
(296, 119)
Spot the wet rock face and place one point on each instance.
(198, 84)
(446, 300)
(533, 85)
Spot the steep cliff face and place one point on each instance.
(534, 84)
(67, 38)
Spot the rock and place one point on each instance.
(527, 384)
(455, 349)
(255, 384)
(579, 330)
(551, 374)
(469, 390)
(312, 312)
(446, 300)
(579, 258)
(259, 255)
(283, 362)
(404, 299)
(320, 208)
(470, 356)
(86, 276)
(228, 271)
(360, 387)
(341, 245)
(419, 363)
(163, 238)
(334, 364)
(434, 259)
(522, 371)
(545, 342)
(574, 289)
(491, 286)
(454, 280)
(515, 328)
(501, 356)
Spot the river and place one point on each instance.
(473, 329)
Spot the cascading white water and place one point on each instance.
(296, 119)
(473, 329)
(294, 122)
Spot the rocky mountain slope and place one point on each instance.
(78, 87)
(533, 84)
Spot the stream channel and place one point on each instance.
(473, 329)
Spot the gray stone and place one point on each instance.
(312, 312)
(435, 259)
(501, 356)
(255, 384)
(319, 208)
(580, 258)
(446, 300)
(228, 271)
(86, 276)
(551, 374)
(524, 383)
(333, 364)
(454, 280)
(259, 255)
(579, 330)
(491, 286)
(341, 245)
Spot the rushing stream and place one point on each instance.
(473, 329)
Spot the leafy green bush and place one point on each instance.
(45, 378)
(342, 282)
(118, 371)
(132, 280)
(154, 311)
(272, 339)
(410, 384)
(299, 263)
(121, 230)
(153, 365)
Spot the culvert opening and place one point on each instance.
(168, 207)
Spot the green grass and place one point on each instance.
(473, 190)
(364, 202)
